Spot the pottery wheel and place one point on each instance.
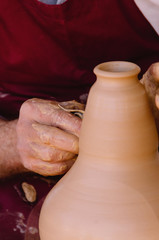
(32, 231)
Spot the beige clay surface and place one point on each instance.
(112, 190)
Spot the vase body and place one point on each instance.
(112, 190)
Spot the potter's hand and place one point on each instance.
(151, 82)
(47, 137)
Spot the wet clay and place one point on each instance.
(112, 190)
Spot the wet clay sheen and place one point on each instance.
(112, 190)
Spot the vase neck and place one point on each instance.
(117, 82)
(118, 124)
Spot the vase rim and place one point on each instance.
(117, 69)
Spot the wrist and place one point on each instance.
(10, 161)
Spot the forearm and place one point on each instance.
(9, 158)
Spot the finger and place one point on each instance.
(151, 77)
(47, 169)
(48, 113)
(154, 71)
(157, 99)
(72, 105)
(56, 137)
(50, 154)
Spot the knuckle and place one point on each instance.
(75, 147)
(63, 168)
(26, 163)
(26, 107)
(47, 156)
(60, 156)
(53, 155)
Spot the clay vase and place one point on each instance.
(112, 190)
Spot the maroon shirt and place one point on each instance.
(50, 50)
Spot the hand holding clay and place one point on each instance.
(151, 82)
(47, 137)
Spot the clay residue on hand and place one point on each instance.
(73, 107)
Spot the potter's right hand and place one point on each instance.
(47, 137)
(151, 82)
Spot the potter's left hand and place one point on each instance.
(47, 136)
(151, 82)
